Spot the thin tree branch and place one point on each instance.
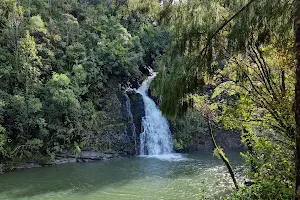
(225, 23)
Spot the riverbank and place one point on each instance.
(83, 156)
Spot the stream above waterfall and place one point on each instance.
(133, 178)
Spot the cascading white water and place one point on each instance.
(156, 137)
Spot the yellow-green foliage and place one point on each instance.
(250, 62)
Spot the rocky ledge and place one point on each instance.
(83, 156)
(86, 156)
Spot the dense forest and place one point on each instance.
(65, 65)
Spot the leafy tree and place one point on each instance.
(62, 110)
(241, 35)
(297, 98)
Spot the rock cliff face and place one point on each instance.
(120, 138)
(228, 140)
(137, 112)
(124, 124)
(191, 133)
(111, 134)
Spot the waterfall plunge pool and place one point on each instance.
(184, 177)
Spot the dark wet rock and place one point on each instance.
(94, 155)
(27, 165)
(137, 110)
(135, 82)
(130, 91)
(133, 112)
(60, 161)
(228, 140)
(145, 70)
(86, 156)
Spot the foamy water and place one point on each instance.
(173, 157)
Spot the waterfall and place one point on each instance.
(156, 137)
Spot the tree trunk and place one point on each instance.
(223, 157)
(29, 8)
(297, 97)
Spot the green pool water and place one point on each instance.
(137, 178)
